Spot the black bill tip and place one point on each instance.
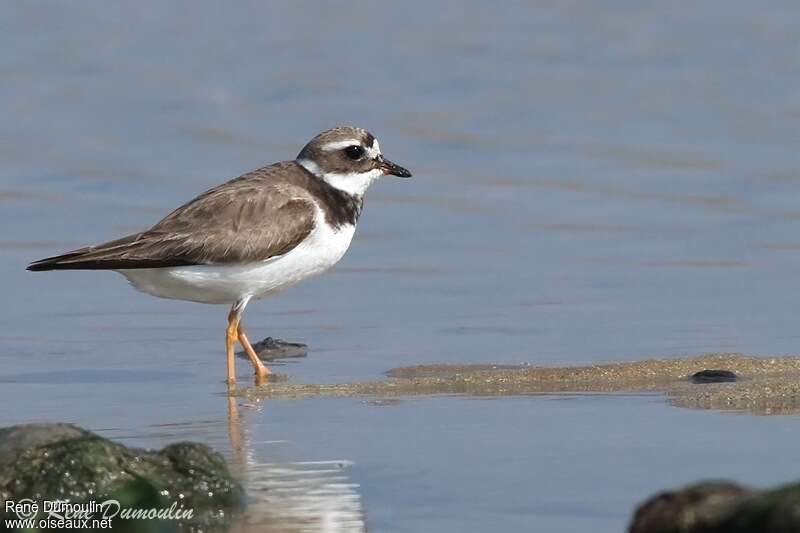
(395, 170)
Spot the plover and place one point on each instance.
(251, 236)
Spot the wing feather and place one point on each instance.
(251, 218)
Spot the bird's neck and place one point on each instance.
(341, 207)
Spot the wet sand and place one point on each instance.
(766, 385)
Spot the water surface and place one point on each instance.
(603, 181)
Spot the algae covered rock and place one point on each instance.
(187, 482)
(720, 507)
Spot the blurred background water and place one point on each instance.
(593, 181)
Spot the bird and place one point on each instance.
(252, 236)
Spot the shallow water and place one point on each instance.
(593, 182)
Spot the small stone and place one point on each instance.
(713, 376)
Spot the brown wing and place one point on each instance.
(249, 219)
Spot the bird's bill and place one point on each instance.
(395, 170)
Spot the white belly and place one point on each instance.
(322, 249)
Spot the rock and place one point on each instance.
(271, 349)
(720, 507)
(713, 376)
(64, 462)
(674, 511)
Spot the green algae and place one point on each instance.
(63, 462)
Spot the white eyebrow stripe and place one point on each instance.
(375, 150)
(338, 145)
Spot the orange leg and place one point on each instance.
(235, 332)
(231, 334)
(261, 371)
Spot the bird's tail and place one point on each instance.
(100, 257)
(58, 262)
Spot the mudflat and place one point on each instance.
(764, 385)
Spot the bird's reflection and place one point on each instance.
(312, 497)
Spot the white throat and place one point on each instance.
(354, 183)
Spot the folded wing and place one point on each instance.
(249, 219)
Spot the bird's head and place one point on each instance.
(348, 158)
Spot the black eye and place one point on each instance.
(354, 152)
